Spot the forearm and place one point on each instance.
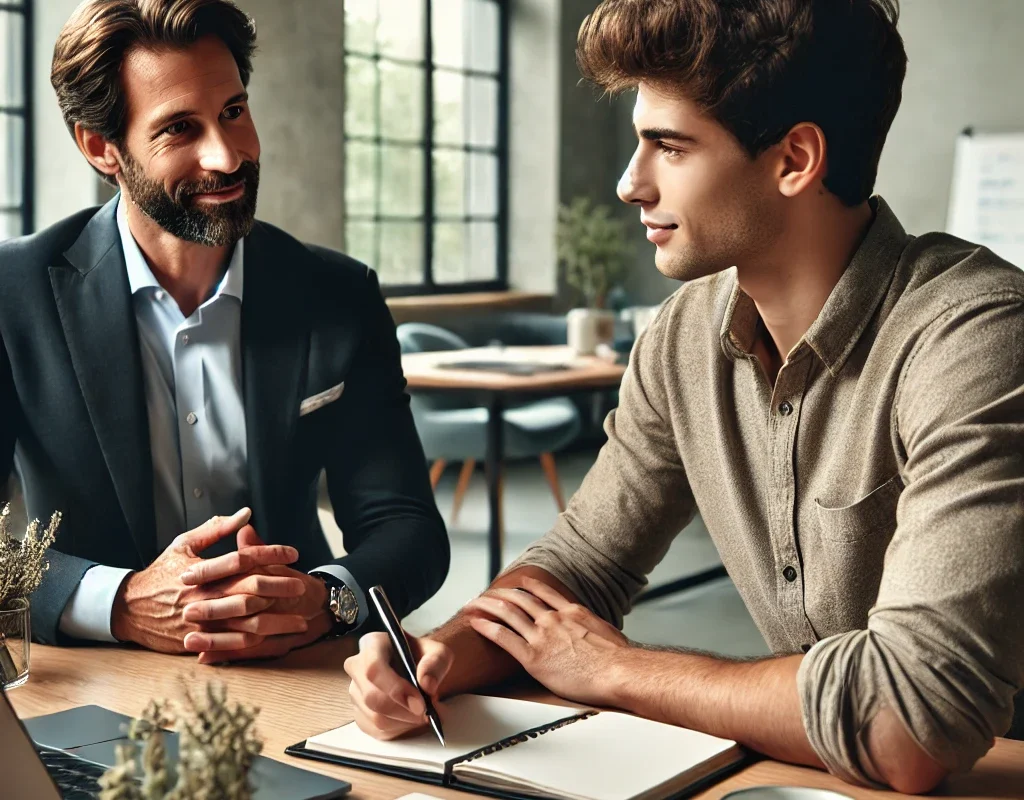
(754, 703)
(477, 661)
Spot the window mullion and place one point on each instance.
(428, 144)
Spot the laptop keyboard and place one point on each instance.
(76, 778)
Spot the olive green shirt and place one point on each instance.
(869, 507)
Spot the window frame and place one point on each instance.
(25, 112)
(428, 217)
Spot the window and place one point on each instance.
(15, 119)
(426, 97)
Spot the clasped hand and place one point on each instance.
(245, 604)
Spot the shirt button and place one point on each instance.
(191, 419)
(806, 648)
(785, 408)
(160, 295)
(789, 574)
(184, 338)
(197, 493)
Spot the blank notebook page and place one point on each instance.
(606, 757)
(470, 722)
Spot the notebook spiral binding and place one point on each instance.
(512, 741)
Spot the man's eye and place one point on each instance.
(233, 112)
(176, 128)
(669, 151)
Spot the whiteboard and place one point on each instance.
(986, 203)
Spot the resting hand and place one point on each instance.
(560, 643)
(149, 606)
(289, 621)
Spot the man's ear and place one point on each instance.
(99, 152)
(802, 160)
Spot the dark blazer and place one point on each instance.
(73, 411)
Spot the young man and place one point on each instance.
(842, 402)
(166, 363)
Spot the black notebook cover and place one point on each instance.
(299, 750)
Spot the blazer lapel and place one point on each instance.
(275, 353)
(95, 306)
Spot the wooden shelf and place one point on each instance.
(430, 306)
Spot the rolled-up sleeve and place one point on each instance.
(944, 644)
(633, 501)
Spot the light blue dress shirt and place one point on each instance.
(192, 373)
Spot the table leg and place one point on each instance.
(494, 458)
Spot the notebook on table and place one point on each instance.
(519, 749)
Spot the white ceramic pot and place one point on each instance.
(586, 328)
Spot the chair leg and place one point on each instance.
(435, 472)
(460, 488)
(547, 461)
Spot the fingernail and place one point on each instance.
(187, 576)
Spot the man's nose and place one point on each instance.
(219, 154)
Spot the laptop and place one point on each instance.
(63, 755)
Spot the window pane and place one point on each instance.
(12, 156)
(483, 111)
(449, 183)
(483, 184)
(483, 25)
(10, 225)
(448, 32)
(360, 241)
(360, 178)
(448, 108)
(360, 25)
(401, 253)
(401, 190)
(401, 102)
(482, 251)
(12, 57)
(360, 101)
(400, 30)
(449, 252)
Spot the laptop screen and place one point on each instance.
(23, 773)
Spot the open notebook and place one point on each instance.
(518, 749)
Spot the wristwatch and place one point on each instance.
(342, 604)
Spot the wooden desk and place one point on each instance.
(306, 693)
(586, 373)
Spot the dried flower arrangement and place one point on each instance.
(217, 747)
(22, 564)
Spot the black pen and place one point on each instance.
(401, 646)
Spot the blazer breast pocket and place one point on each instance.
(871, 516)
(320, 399)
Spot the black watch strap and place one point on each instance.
(342, 604)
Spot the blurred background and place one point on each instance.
(437, 140)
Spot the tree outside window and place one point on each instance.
(426, 142)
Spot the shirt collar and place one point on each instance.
(850, 306)
(141, 277)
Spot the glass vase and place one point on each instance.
(15, 636)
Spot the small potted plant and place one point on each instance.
(217, 747)
(592, 250)
(22, 564)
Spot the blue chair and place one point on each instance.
(453, 428)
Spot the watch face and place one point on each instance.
(348, 606)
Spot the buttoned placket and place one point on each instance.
(190, 403)
(784, 402)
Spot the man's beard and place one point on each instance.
(212, 225)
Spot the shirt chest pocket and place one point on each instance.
(871, 517)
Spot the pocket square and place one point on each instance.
(321, 399)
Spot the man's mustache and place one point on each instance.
(216, 182)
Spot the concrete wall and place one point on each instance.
(297, 101)
(966, 64)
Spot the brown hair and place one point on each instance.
(93, 43)
(759, 67)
